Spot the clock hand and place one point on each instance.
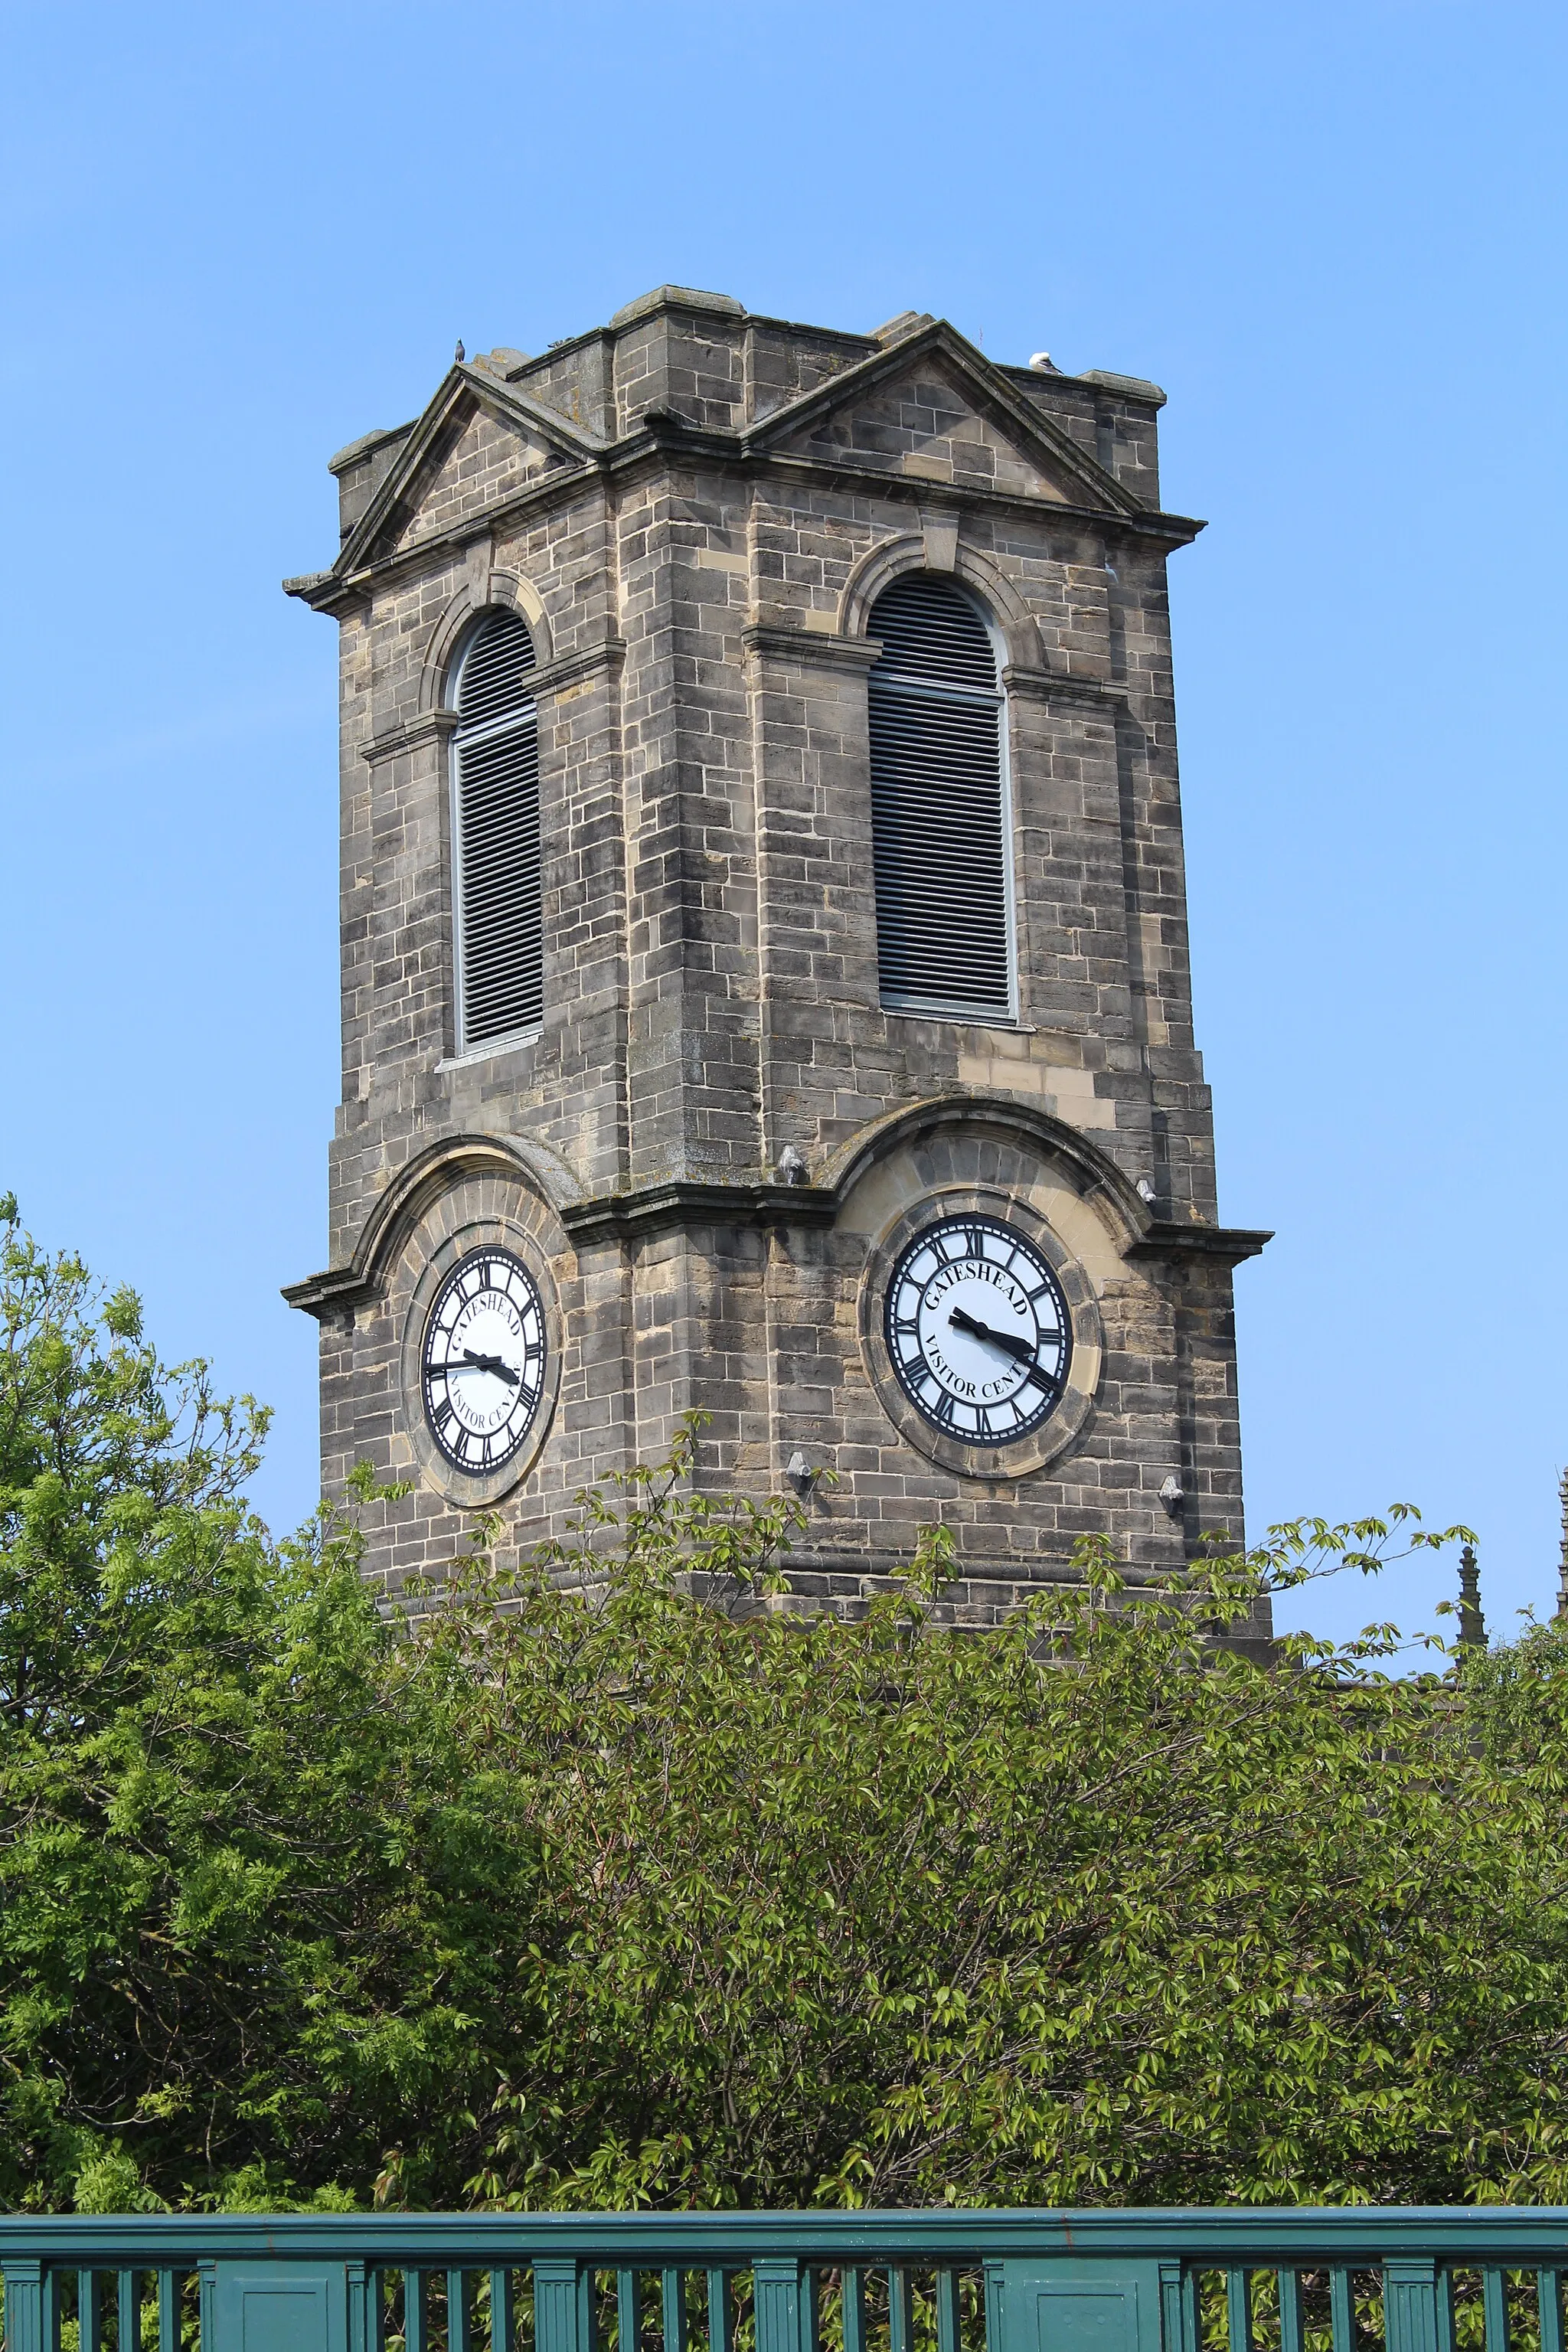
(491, 1364)
(1019, 1349)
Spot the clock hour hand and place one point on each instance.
(1019, 1349)
(491, 1364)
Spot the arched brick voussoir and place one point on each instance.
(506, 592)
(416, 1188)
(940, 547)
(1096, 1180)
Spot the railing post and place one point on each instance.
(1410, 2305)
(780, 2305)
(563, 2307)
(1082, 2303)
(996, 2309)
(207, 2291)
(1178, 2310)
(32, 2308)
(359, 2332)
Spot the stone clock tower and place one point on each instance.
(764, 965)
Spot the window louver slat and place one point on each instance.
(938, 820)
(499, 862)
(495, 672)
(928, 630)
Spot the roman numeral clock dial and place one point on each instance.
(978, 1332)
(482, 1360)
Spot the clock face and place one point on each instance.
(978, 1330)
(482, 1360)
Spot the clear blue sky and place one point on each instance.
(236, 237)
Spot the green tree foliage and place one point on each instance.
(614, 1878)
(247, 1893)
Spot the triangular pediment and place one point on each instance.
(932, 409)
(478, 445)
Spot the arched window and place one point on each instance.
(498, 916)
(939, 815)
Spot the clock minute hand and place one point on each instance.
(490, 1364)
(1019, 1349)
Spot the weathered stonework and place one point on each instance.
(694, 510)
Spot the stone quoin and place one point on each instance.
(795, 1088)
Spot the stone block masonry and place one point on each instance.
(705, 1151)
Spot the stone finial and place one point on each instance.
(1563, 1548)
(1472, 1624)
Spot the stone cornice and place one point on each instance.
(647, 1210)
(661, 1208)
(1161, 530)
(332, 591)
(775, 641)
(670, 436)
(408, 735)
(433, 726)
(338, 593)
(321, 1294)
(609, 654)
(1056, 686)
(1167, 1238)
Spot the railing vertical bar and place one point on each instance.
(1291, 2335)
(503, 2323)
(128, 2312)
(168, 2312)
(852, 2306)
(900, 2332)
(672, 2309)
(460, 2313)
(947, 2316)
(89, 2311)
(1342, 2311)
(1237, 2311)
(628, 2310)
(1548, 2302)
(1494, 2302)
(374, 2309)
(1444, 2311)
(720, 2312)
(415, 2311)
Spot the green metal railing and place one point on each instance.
(1359, 2279)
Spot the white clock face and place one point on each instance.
(482, 1360)
(978, 1330)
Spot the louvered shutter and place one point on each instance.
(497, 896)
(938, 813)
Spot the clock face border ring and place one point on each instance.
(1067, 1423)
(436, 1469)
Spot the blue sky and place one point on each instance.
(234, 239)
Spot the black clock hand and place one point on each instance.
(491, 1364)
(1019, 1349)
